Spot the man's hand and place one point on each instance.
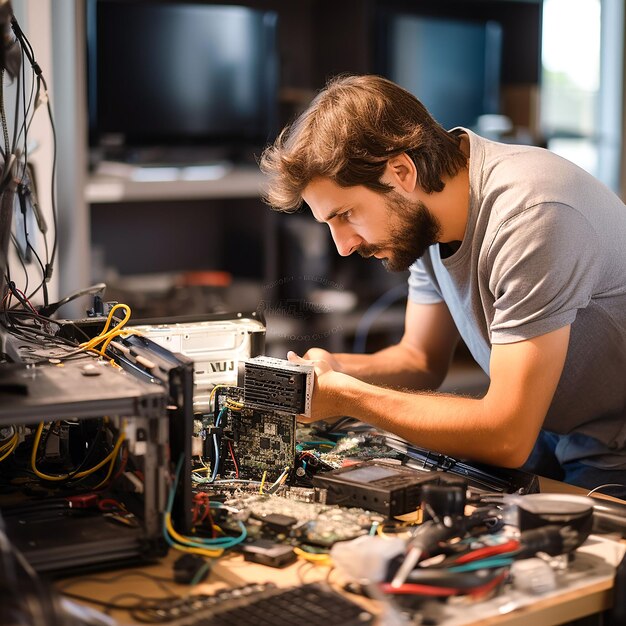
(499, 428)
(325, 389)
(319, 354)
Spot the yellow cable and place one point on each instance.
(200, 551)
(96, 340)
(113, 455)
(33, 459)
(9, 442)
(262, 481)
(12, 445)
(185, 541)
(105, 334)
(319, 559)
(214, 391)
(201, 469)
(117, 332)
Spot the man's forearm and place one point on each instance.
(395, 366)
(499, 428)
(460, 427)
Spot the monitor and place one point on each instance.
(451, 65)
(183, 74)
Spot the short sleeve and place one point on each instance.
(542, 267)
(422, 288)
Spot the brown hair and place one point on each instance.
(349, 132)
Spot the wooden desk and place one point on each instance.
(589, 592)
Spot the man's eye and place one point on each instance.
(346, 215)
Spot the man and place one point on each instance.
(512, 248)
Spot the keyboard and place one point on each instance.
(312, 604)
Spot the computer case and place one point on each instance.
(65, 522)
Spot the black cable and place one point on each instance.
(53, 192)
(144, 604)
(26, 110)
(18, 79)
(158, 580)
(15, 327)
(43, 283)
(97, 289)
(445, 578)
(90, 452)
(21, 260)
(17, 294)
(21, 188)
(3, 121)
(28, 50)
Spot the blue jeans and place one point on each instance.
(578, 460)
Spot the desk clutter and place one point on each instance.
(121, 442)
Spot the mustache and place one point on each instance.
(367, 250)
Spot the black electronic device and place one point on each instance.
(83, 481)
(267, 552)
(377, 486)
(173, 80)
(276, 384)
(314, 604)
(452, 65)
(148, 400)
(147, 360)
(481, 478)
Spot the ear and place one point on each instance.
(401, 172)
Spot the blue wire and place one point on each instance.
(482, 564)
(216, 447)
(216, 460)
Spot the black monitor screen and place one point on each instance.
(180, 73)
(452, 66)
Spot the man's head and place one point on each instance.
(350, 137)
(389, 226)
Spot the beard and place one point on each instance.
(413, 230)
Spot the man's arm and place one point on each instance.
(419, 361)
(499, 428)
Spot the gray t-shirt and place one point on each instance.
(544, 247)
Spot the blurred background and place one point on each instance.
(163, 107)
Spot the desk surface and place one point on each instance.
(589, 590)
(586, 588)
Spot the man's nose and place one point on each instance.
(346, 240)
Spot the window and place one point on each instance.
(581, 83)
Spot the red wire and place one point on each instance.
(202, 499)
(27, 301)
(420, 590)
(232, 456)
(432, 590)
(109, 504)
(482, 553)
(492, 584)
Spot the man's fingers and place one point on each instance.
(294, 358)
